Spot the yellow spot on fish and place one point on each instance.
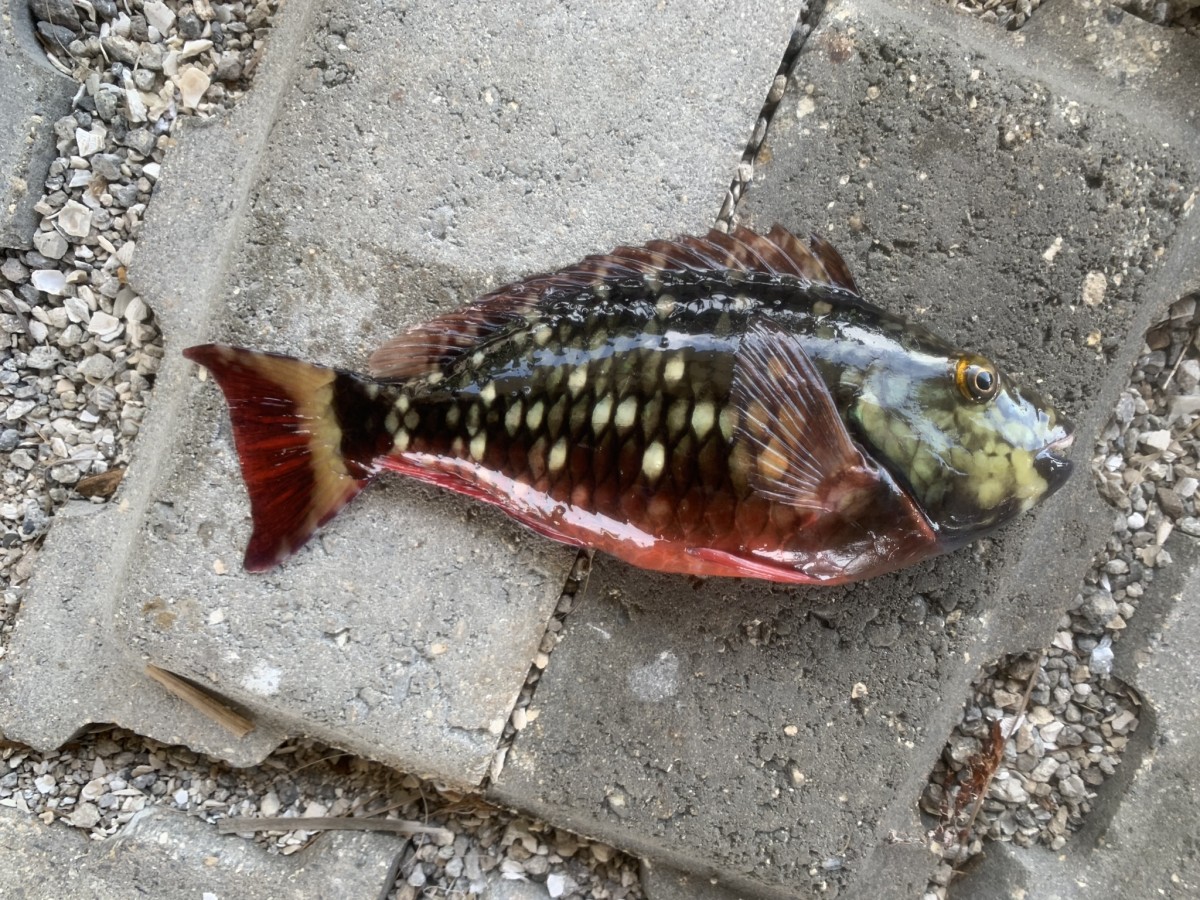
(411, 420)
(372, 390)
(989, 492)
(512, 418)
(601, 413)
(772, 461)
(728, 422)
(477, 358)
(533, 418)
(537, 458)
(401, 441)
(577, 380)
(702, 418)
(478, 446)
(488, 394)
(391, 423)
(402, 404)
(822, 308)
(453, 415)
(677, 417)
(653, 461)
(739, 466)
(626, 412)
(673, 372)
(666, 305)
(542, 336)
(473, 416)
(558, 454)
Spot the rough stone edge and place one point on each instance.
(55, 92)
(157, 835)
(89, 549)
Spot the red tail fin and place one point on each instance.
(290, 442)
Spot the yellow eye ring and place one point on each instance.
(976, 379)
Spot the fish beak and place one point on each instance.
(1052, 464)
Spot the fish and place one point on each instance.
(717, 405)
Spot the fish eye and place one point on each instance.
(976, 379)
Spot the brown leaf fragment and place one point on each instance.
(101, 485)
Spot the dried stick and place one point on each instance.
(205, 703)
(330, 823)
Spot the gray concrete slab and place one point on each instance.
(973, 178)
(383, 168)
(32, 97)
(168, 855)
(1141, 838)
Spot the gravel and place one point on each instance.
(1062, 745)
(80, 353)
(99, 782)
(1012, 14)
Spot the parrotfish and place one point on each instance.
(717, 405)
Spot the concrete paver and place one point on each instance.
(388, 168)
(1141, 836)
(973, 179)
(383, 168)
(171, 856)
(33, 98)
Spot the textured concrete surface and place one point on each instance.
(34, 95)
(973, 178)
(171, 856)
(662, 882)
(415, 160)
(749, 740)
(1141, 838)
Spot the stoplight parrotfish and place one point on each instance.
(717, 405)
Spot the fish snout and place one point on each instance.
(1052, 463)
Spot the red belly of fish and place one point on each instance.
(713, 535)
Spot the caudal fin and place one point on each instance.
(301, 464)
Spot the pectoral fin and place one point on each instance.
(799, 451)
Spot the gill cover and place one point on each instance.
(974, 449)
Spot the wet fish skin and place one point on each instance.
(724, 405)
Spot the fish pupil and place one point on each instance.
(984, 381)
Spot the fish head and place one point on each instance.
(973, 448)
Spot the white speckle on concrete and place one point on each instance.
(658, 680)
(264, 680)
(1094, 286)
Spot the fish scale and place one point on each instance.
(725, 405)
(607, 462)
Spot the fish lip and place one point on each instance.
(1052, 464)
(1060, 447)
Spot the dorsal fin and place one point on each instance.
(801, 453)
(431, 346)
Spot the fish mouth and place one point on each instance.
(1052, 464)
